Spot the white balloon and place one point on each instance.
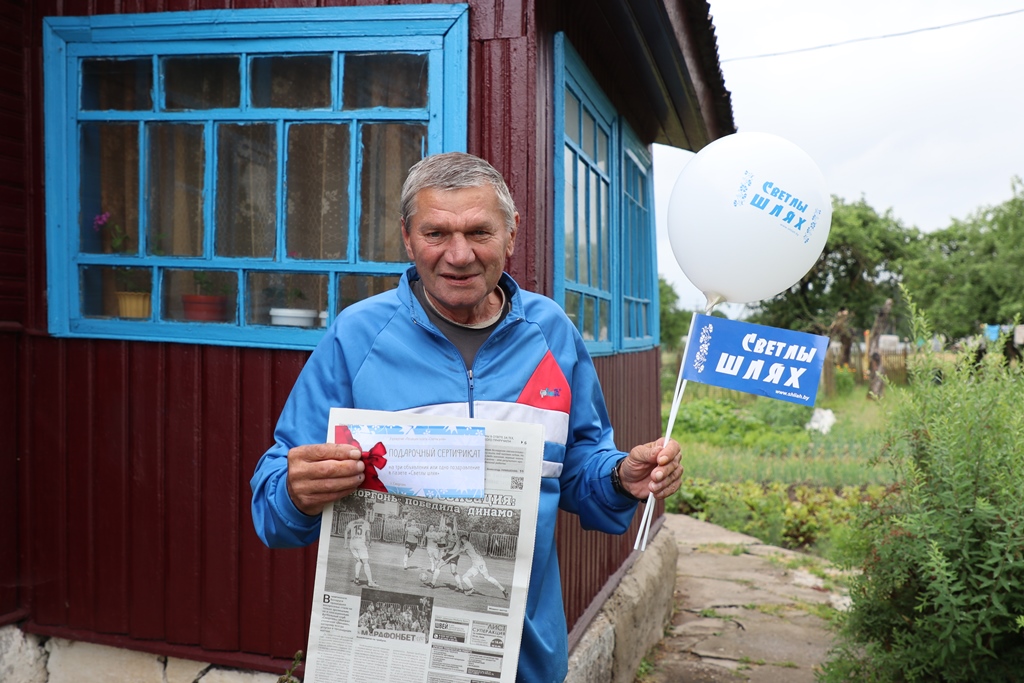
(748, 217)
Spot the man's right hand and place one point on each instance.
(319, 474)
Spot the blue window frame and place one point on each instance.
(607, 281)
(232, 177)
(638, 247)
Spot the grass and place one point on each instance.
(843, 457)
(750, 466)
(831, 579)
(645, 669)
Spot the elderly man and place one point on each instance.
(458, 337)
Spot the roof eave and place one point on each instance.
(676, 44)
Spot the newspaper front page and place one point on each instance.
(426, 589)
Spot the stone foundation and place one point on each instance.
(630, 623)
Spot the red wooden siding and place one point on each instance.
(135, 457)
(140, 456)
(588, 558)
(13, 232)
(139, 461)
(10, 591)
(13, 296)
(505, 128)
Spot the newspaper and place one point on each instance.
(427, 589)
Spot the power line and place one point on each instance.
(862, 40)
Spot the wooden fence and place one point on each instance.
(894, 362)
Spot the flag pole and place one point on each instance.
(677, 396)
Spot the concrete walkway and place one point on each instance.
(743, 610)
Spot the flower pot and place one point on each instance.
(296, 317)
(205, 307)
(133, 304)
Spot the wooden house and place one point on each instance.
(246, 156)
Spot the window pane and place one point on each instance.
(109, 192)
(638, 188)
(175, 190)
(637, 257)
(278, 298)
(353, 288)
(570, 213)
(117, 84)
(572, 117)
(626, 263)
(587, 137)
(589, 319)
(602, 150)
(109, 292)
(317, 187)
(595, 233)
(605, 236)
(389, 150)
(300, 82)
(200, 295)
(246, 190)
(582, 224)
(201, 83)
(572, 307)
(631, 246)
(384, 80)
(603, 307)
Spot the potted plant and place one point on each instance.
(132, 286)
(133, 292)
(292, 313)
(209, 303)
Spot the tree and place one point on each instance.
(859, 268)
(675, 323)
(876, 368)
(970, 272)
(839, 331)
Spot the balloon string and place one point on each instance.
(677, 397)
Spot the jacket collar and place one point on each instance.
(419, 316)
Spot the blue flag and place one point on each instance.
(755, 359)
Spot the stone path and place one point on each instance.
(744, 610)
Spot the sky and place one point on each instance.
(929, 124)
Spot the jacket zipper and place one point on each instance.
(504, 330)
(469, 371)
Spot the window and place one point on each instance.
(233, 176)
(638, 255)
(607, 281)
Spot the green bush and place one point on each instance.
(781, 414)
(789, 516)
(846, 379)
(765, 425)
(940, 590)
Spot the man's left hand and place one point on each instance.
(652, 468)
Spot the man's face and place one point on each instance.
(459, 242)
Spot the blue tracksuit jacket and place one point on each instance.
(383, 353)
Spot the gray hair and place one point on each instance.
(455, 171)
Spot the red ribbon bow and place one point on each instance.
(373, 459)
